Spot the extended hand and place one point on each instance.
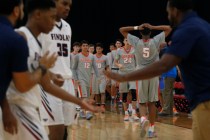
(115, 76)
(48, 60)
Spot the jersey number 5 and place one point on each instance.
(145, 52)
(63, 49)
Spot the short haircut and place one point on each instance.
(33, 5)
(112, 44)
(145, 31)
(91, 45)
(7, 6)
(182, 5)
(84, 42)
(99, 45)
(119, 41)
(76, 44)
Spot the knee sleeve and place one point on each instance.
(133, 93)
(125, 97)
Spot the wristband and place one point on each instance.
(136, 27)
(43, 69)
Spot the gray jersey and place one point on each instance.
(83, 66)
(146, 52)
(72, 56)
(112, 57)
(127, 59)
(101, 63)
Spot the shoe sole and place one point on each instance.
(145, 125)
(89, 118)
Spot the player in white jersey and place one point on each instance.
(147, 52)
(59, 41)
(84, 64)
(99, 89)
(25, 106)
(126, 62)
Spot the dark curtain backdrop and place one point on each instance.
(100, 20)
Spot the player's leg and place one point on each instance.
(143, 94)
(28, 123)
(153, 98)
(123, 89)
(132, 89)
(51, 113)
(102, 89)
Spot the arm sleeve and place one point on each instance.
(75, 66)
(20, 55)
(133, 40)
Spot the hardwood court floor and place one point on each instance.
(110, 126)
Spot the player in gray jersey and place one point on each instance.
(100, 88)
(114, 68)
(125, 61)
(84, 63)
(147, 52)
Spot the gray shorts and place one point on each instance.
(148, 90)
(113, 82)
(97, 87)
(126, 86)
(83, 89)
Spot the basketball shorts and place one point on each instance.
(54, 111)
(148, 90)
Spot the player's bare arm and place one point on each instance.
(157, 68)
(125, 30)
(166, 28)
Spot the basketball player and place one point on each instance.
(108, 87)
(25, 107)
(114, 68)
(147, 52)
(84, 64)
(59, 41)
(14, 54)
(125, 61)
(91, 48)
(100, 88)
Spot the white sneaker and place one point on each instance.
(126, 118)
(135, 117)
(144, 127)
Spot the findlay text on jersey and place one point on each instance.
(61, 37)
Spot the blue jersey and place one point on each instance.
(191, 42)
(13, 54)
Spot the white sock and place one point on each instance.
(133, 111)
(126, 112)
(152, 128)
(143, 118)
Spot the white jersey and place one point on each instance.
(32, 97)
(59, 41)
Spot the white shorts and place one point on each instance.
(29, 124)
(54, 111)
(1, 126)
